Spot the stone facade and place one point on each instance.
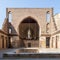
(43, 34)
(3, 40)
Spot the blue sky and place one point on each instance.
(27, 4)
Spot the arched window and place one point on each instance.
(10, 30)
(10, 16)
(48, 17)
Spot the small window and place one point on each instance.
(48, 17)
(10, 30)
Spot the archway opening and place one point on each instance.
(29, 31)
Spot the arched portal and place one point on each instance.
(29, 32)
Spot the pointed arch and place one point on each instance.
(29, 23)
(29, 19)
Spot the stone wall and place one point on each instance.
(39, 14)
(55, 40)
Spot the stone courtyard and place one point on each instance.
(30, 28)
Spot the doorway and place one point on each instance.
(29, 44)
(47, 42)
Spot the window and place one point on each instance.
(48, 17)
(10, 16)
(10, 30)
(47, 42)
(29, 44)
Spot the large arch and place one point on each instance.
(29, 31)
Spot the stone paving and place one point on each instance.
(41, 51)
(49, 50)
(5, 50)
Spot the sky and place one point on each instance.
(27, 4)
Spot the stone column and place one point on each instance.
(39, 35)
